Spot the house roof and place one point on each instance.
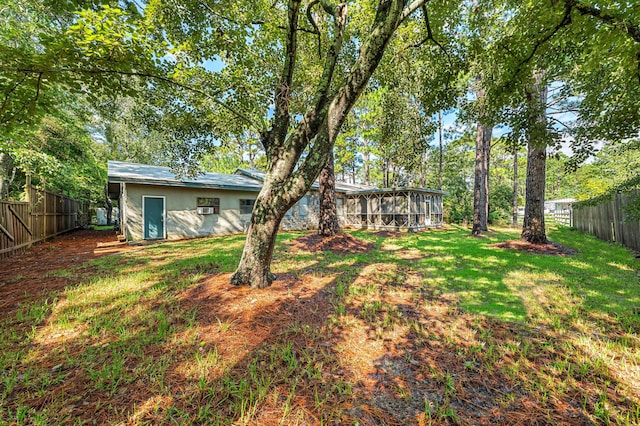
(340, 186)
(562, 200)
(119, 171)
(398, 189)
(241, 180)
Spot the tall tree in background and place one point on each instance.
(514, 220)
(127, 137)
(481, 179)
(6, 172)
(533, 226)
(440, 149)
(328, 224)
(483, 26)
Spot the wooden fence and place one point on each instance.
(609, 221)
(46, 215)
(563, 217)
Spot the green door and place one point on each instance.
(153, 218)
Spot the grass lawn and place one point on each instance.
(428, 328)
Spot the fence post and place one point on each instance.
(571, 217)
(27, 198)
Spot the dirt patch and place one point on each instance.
(28, 275)
(552, 249)
(386, 234)
(412, 254)
(340, 243)
(391, 366)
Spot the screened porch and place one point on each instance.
(405, 209)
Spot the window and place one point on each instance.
(213, 203)
(303, 207)
(246, 206)
(340, 206)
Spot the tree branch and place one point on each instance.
(430, 36)
(11, 90)
(167, 80)
(385, 23)
(312, 120)
(565, 21)
(560, 123)
(411, 8)
(315, 26)
(631, 29)
(282, 117)
(28, 101)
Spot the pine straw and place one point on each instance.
(552, 249)
(27, 275)
(341, 243)
(428, 357)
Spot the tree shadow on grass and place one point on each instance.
(367, 338)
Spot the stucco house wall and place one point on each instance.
(174, 212)
(181, 204)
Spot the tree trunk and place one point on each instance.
(6, 166)
(481, 179)
(440, 150)
(270, 206)
(515, 185)
(486, 162)
(367, 168)
(533, 228)
(255, 265)
(328, 224)
(385, 174)
(290, 174)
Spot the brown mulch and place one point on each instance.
(386, 234)
(340, 243)
(552, 249)
(431, 354)
(396, 234)
(28, 275)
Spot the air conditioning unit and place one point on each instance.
(205, 210)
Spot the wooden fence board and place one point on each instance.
(7, 233)
(609, 220)
(17, 215)
(46, 215)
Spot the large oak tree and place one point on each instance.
(289, 176)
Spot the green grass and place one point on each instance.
(102, 227)
(555, 330)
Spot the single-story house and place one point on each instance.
(155, 204)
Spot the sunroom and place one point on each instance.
(400, 209)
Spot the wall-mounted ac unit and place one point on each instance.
(205, 210)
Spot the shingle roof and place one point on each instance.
(241, 180)
(398, 189)
(119, 171)
(340, 186)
